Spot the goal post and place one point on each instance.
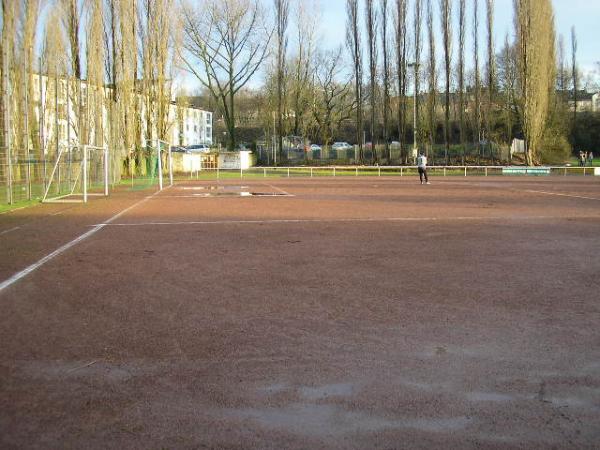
(163, 167)
(80, 171)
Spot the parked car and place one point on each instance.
(197, 148)
(177, 149)
(315, 148)
(341, 146)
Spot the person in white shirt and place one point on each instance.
(422, 165)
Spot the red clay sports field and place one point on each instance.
(325, 313)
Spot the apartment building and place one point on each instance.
(62, 121)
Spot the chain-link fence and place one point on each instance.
(470, 154)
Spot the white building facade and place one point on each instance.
(190, 125)
(58, 121)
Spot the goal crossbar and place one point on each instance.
(81, 176)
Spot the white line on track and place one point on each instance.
(279, 189)
(9, 230)
(16, 277)
(349, 220)
(13, 210)
(562, 195)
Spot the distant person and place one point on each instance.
(422, 165)
(581, 158)
(591, 158)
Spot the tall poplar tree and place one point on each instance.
(537, 68)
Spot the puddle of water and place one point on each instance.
(215, 188)
(489, 397)
(329, 390)
(239, 194)
(315, 420)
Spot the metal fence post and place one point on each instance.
(334, 171)
(379, 171)
(486, 171)
(106, 171)
(465, 171)
(264, 172)
(584, 171)
(288, 172)
(7, 126)
(401, 171)
(85, 180)
(160, 180)
(311, 172)
(170, 167)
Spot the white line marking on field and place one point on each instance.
(279, 189)
(562, 195)
(13, 210)
(9, 230)
(349, 220)
(16, 277)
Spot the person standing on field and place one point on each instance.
(422, 165)
(591, 158)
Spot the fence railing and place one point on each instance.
(27, 180)
(381, 171)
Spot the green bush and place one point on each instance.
(555, 149)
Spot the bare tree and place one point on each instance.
(401, 67)
(353, 40)
(446, 17)
(508, 74)
(417, 66)
(386, 79)
(574, 74)
(225, 44)
(562, 67)
(334, 101)
(95, 56)
(72, 11)
(371, 19)
(303, 66)
(282, 15)
(477, 87)
(432, 81)
(491, 72)
(461, 74)
(30, 26)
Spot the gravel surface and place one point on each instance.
(347, 313)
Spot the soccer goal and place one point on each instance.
(160, 162)
(80, 171)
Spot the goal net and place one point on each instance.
(80, 171)
(153, 166)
